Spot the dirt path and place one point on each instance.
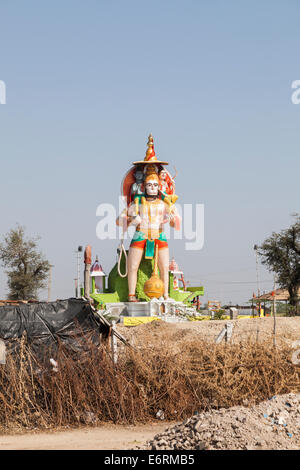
(106, 437)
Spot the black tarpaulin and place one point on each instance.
(48, 323)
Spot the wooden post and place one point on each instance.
(2, 352)
(50, 282)
(274, 314)
(87, 270)
(78, 274)
(226, 333)
(114, 344)
(76, 286)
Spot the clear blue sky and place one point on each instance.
(87, 82)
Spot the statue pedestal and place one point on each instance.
(153, 308)
(133, 313)
(138, 309)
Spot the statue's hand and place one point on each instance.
(136, 220)
(174, 218)
(122, 221)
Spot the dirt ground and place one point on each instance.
(106, 437)
(287, 330)
(112, 437)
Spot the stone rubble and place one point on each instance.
(273, 424)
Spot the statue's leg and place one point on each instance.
(133, 262)
(163, 266)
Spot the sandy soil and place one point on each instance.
(260, 329)
(106, 437)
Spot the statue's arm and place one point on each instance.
(174, 217)
(128, 217)
(122, 220)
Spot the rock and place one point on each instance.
(281, 420)
(160, 414)
(198, 426)
(201, 445)
(218, 438)
(237, 428)
(162, 442)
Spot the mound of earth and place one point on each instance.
(272, 424)
(253, 329)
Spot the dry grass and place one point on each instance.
(88, 388)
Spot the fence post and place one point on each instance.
(274, 313)
(114, 344)
(228, 333)
(2, 352)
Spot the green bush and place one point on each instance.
(219, 315)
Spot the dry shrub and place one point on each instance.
(179, 378)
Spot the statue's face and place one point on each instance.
(151, 188)
(163, 175)
(139, 175)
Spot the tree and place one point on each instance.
(27, 269)
(281, 254)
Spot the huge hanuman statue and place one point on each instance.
(150, 196)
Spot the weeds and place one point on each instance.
(88, 388)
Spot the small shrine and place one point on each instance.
(98, 277)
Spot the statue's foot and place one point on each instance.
(132, 298)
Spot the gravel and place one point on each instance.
(272, 424)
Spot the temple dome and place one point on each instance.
(96, 269)
(173, 267)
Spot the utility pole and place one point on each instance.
(274, 301)
(50, 282)
(79, 250)
(258, 294)
(274, 313)
(258, 290)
